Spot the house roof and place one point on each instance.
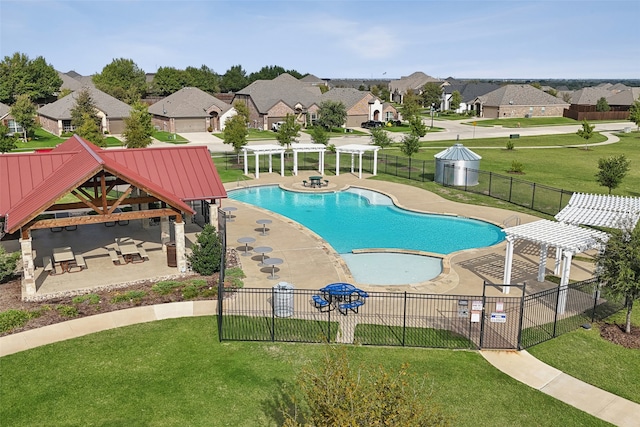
(30, 183)
(470, 91)
(284, 88)
(188, 102)
(310, 78)
(626, 97)
(590, 95)
(112, 107)
(348, 96)
(4, 110)
(519, 95)
(69, 82)
(411, 82)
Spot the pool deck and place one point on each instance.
(309, 262)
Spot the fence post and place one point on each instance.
(396, 165)
(466, 178)
(490, 175)
(524, 288)
(404, 319)
(555, 315)
(510, 188)
(596, 295)
(533, 196)
(424, 162)
(273, 314)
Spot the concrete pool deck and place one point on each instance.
(309, 262)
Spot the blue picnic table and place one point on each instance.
(343, 296)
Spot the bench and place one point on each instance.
(321, 303)
(143, 253)
(48, 265)
(353, 306)
(114, 256)
(514, 136)
(304, 183)
(79, 264)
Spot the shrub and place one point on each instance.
(128, 296)
(510, 145)
(206, 252)
(8, 262)
(166, 287)
(209, 129)
(235, 276)
(92, 298)
(12, 319)
(67, 310)
(516, 167)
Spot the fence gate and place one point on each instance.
(501, 319)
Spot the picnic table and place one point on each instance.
(343, 296)
(63, 256)
(129, 250)
(316, 181)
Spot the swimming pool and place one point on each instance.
(361, 219)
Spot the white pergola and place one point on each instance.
(269, 149)
(601, 210)
(568, 240)
(358, 149)
(308, 148)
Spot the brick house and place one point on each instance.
(519, 101)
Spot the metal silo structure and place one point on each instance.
(457, 165)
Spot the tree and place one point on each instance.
(242, 110)
(612, 170)
(24, 113)
(319, 135)
(8, 262)
(270, 72)
(456, 99)
(332, 114)
(84, 105)
(7, 142)
(410, 106)
(91, 131)
(551, 91)
(380, 137)
(586, 132)
(566, 97)
(206, 252)
(204, 78)
(21, 76)
(431, 94)
(634, 113)
(618, 266)
(417, 127)
(289, 131)
(602, 105)
(122, 79)
(168, 80)
(138, 127)
(410, 145)
(337, 393)
(235, 132)
(234, 79)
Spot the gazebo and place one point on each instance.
(269, 149)
(358, 149)
(34, 186)
(568, 240)
(308, 148)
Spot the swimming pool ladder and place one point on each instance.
(514, 218)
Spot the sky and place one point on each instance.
(372, 39)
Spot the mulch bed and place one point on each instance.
(616, 334)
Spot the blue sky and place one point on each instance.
(332, 39)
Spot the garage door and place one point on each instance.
(190, 125)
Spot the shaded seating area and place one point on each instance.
(343, 297)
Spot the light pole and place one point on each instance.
(432, 105)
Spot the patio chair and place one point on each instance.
(326, 182)
(305, 183)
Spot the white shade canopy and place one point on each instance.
(308, 148)
(358, 149)
(601, 210)
(263, 149)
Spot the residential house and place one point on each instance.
(269, 101)
(584, 103)
(314, 81)
(414, 82)
(190, 110)
(519, 101)
(468, 92)
(361, 106)
(56, 116)
(7, 120)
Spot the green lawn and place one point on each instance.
(585, 355)
(175, 372)
(172, 138)
(44, 139)
(524, 122)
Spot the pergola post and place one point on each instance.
(246, 165)
(375, 162)
(282, 163)
(337, 163)
(556, 266)
(28, 267)
(360, 165)
(270, 163)
(352, 161)
(564, 282)
(165, 232)
(508, 261)
(181, 258)
(542, 267)
(257, 156)
(295, 162)
(321, 162)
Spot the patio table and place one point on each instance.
(316, 181)
(262, 250)
(63, 256)
(246, 241)
(273, 262)
(228, 212)
(264, 223)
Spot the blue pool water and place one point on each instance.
(361, 219)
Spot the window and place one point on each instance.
(14, 127)
(66, 126)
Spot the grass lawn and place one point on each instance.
(585, 355)
(175, 372)
(524, 122)
(44, 139)
(172, 138)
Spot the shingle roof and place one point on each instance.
(69, 82)
(4, 110)
(310, 78)
(348, 96)
(188, 102)
(411, 82)
(286, 88)
(590, 95)
(470, 91)
(30, 183)
(519, 95)
(61, 109)
(626, 97)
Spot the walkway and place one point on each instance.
(520, 365)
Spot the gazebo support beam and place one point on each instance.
(564, 282)
(508, 261)
(542, 266)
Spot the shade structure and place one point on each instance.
(568, 240)
(267, 149)
(358, 149)
(601, 210)
(308, 148)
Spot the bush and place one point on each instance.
(92, 298)
(8, 262)
(516, 167)
(12, 319)
(510, 145)
(67, 310)
(235, 276)
(166, 287)
(132, 296)
(206, 252)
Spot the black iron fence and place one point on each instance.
(412, 319)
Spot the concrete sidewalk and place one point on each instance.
(525, 368)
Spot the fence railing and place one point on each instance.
(413, 319)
